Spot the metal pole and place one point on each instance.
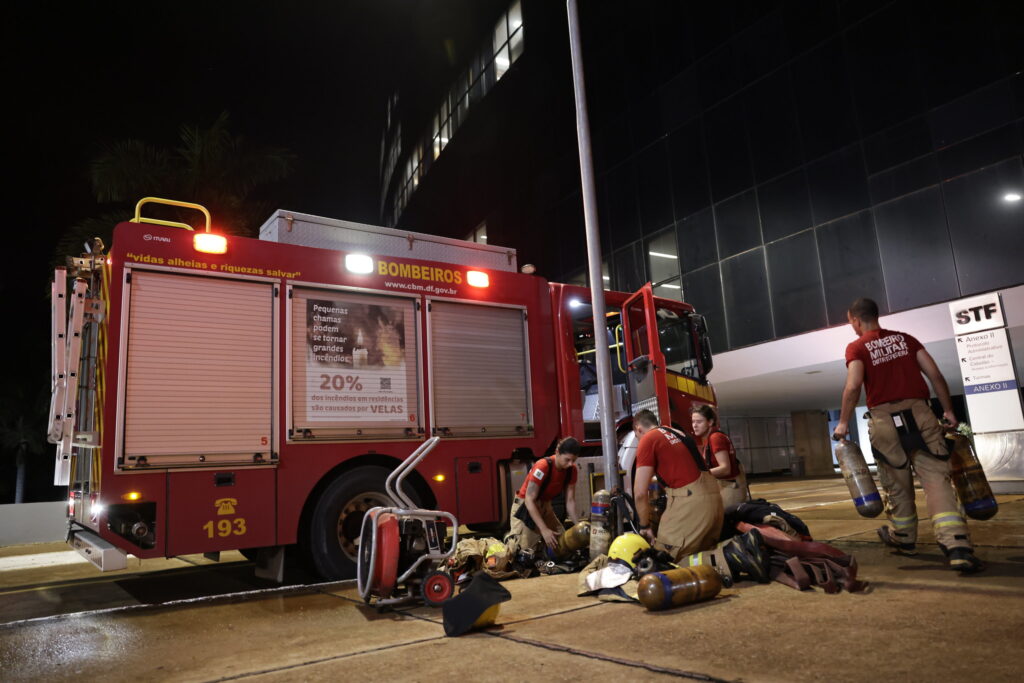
(609, 445)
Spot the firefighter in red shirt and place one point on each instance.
(547, 478)
(720, 455)
(693, 514)
(905, 435)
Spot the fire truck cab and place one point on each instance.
(215, 392)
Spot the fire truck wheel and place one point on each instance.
(333, 539)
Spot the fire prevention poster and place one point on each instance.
(356, 366)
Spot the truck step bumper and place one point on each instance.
(103, 554)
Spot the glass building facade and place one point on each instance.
(767, 162)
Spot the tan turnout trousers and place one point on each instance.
(896, 475)
(734, 491)
(521, 537)
(692, 520)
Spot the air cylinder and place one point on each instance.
(574, 538)
(600, 537)
(662, 590)
(858, 479)
(969, 479)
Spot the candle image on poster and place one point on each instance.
(355, 362)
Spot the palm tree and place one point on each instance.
(22, 426)
(210, 166)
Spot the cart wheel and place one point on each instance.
(437, 588)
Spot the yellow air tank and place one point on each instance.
(969, 479)
(662, 590)
(574, 538)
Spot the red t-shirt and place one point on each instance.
(720, 442)
(673, 460)
(891, 372)
(539, 472)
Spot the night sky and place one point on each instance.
(313, 77)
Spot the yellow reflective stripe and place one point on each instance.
(689, 386)
(944, 519)
(904, 521)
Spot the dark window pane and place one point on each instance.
(680, 100)
(728, 158)
(823, 100)
(987, 230)
(785, 206)
(629, 269)
(979, 151)
(717, 75)
(612, 143)
(849, 263)
(904, 179)
(645, 120)
(736, 224)
(798, 300)
(976, 113)
(568, 225)
(883, 69)
(702, 289)
(896, 145)
(690, 190)
(771, 118)
(807, 23)
(624, 221)
(697, 245)
(654, 188)
(761, 48)
(972, 28)
(838, 185)
(747, 308)
(916, 257)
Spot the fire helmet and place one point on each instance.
(625, 548)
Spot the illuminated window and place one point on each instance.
(662, 257)
(492, 61)
(479, 234)
(501, 62)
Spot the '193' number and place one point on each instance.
(225, 527)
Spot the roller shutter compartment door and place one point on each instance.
(199, 369)
(480, 370)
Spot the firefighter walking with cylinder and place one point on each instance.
(905, 435)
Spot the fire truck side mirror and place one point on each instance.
(700, 326)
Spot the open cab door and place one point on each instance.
(645, 362)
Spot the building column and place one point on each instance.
(811, 442)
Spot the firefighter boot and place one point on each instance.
(744, 555)
(963, 560)
(747, 554)
(892, 539)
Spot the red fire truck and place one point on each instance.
(214, 392)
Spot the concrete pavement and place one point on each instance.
(918, 621)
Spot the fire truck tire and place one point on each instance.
(333, 535)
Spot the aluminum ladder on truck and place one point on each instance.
(68, 324)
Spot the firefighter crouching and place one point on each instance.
(905, 435)
(693, 515)
(719, 455)
(533, 521)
